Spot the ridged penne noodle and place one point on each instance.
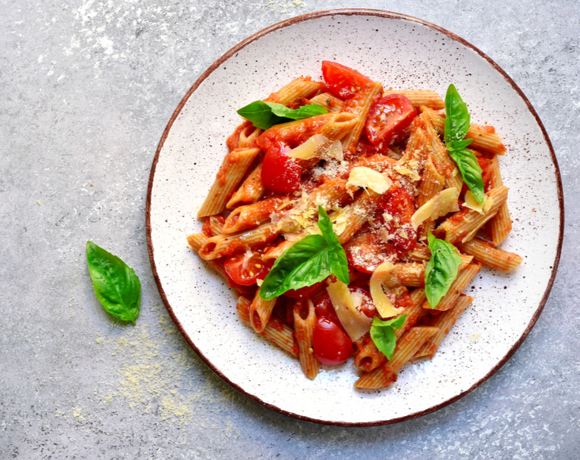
(482, 139)
(419, 97)
(464, 277)
(231, 173)
(443, 322)
(276, 331)
(303, 330)
(215, 226)
(500, 225)
(260, 312)
(340, 125)
(250, 191)
(369, 357)
(196, 241)
(328, 101)
(406, 348)
(490, 256)
(252, 215)
(353, 217)
(225, 245)
(463, 226)
(300, 87)
(432, 182)
(360, 105)
(440, 153)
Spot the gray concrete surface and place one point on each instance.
(86, 89)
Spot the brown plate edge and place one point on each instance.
(351, 12)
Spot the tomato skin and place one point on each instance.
(331, 345)
(387, 118)
(245, 270)
(401, 206)
(280, 173)
(343, 81)
(303, 292)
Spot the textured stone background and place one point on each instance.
(86, 89)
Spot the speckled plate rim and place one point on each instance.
(351, 12)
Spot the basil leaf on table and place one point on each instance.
(264, 115)
(441, 269)
(116, 285)
(457, 123)
(307, 262)
(383, 334)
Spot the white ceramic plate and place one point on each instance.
(401, 52)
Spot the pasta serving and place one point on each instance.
(351, 218)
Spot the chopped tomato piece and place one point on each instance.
(280, 173)
(247, 267)
(343, 81)
(388, 118)
(400, 208)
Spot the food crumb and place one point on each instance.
(38, 201)
(474, 337)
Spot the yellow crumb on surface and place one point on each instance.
(474, 337)
(38, 201)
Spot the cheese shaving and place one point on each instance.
(355, 322)
(471, 202)
(369, 178)
(309, 149)
(442, 203)
(384, 275)
(404, 171)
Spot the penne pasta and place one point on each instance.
(490, 256)
(303, 330)
(420, 97)
(231, 173)
(500, 225)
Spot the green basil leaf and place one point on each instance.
(261, 115)
(305, 111)
(264, 115)
(441, 269)
(325, 226)
(383, 334)
(338, 258)
(457, 123)
(116, 285)
(308, 261)
(457, 118)
(470, 171)
(304, 263)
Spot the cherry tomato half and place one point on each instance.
(303, 292)
(388, 117)
(331, 345)
(246, 268)
(280, 173)
(343, 81)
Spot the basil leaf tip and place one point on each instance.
(457, 124)
(307, 262)
(264, 115)
(441, 269)
(383, 334)
(116, 285)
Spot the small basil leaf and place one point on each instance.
(116, 285)
(458, 145)
(470, 171)
(339, 264)
(457, 118)
(338, 258)
(383, 334)
(304, 263)
(305, 111)
(264, 115)
(325, 225)
(441, 269)
(260, 114)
